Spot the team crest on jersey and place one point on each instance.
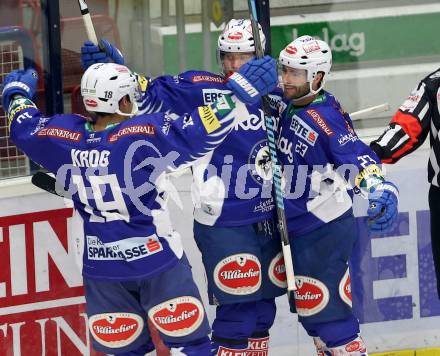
(115, 329)
(177, 317)
(238, 274)
(311, 296)
(260, 163)
(345, 288)
(277, 271)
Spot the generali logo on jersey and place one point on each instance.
(238, 274)
(320, 121)
(277, 271)
(61, 133)
(148, 130)
(115, 329)
(207, 79)
(41, 294)
(177, 317)
(311, 296)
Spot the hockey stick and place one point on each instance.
(276, 169)
(48, 183)
(361, 114)
(90, 29)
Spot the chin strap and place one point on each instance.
(310, 93)
(134, 111)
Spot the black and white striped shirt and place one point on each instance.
(417, 116)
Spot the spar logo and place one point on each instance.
(345, 288)
(311, 296)
(115, 329)
(277, 271)
(238, 274)
(177, 317)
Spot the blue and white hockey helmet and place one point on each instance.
(308, 53)
(103, 85)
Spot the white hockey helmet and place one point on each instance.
(237, 37)
(103, 85)
(310, 54)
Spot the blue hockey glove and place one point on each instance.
(21, 82)
(103, 53)
(382, 210)
(255, 78)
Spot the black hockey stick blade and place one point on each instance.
(46, 182)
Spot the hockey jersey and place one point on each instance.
(321, 155)
(231, 185)
(113, 177)
(417, 116)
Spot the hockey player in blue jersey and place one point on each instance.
(321, 156)
(233, 220)
(234, 225)
(134, 266)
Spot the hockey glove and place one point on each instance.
(19, 82)
(255, 78)
(103, 53)
(382, 210)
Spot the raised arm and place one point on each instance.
(410, 125)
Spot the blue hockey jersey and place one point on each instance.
(113, 177)
(321, 156)
(232, 185)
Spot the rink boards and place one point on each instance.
(41, 298)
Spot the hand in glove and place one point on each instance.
(255, 78)
(382, 210)
(102, 53)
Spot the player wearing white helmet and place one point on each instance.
(235, 45)
(235, 231)
(134, 266)
(320, 222)
(104, 87)
(304, 66)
